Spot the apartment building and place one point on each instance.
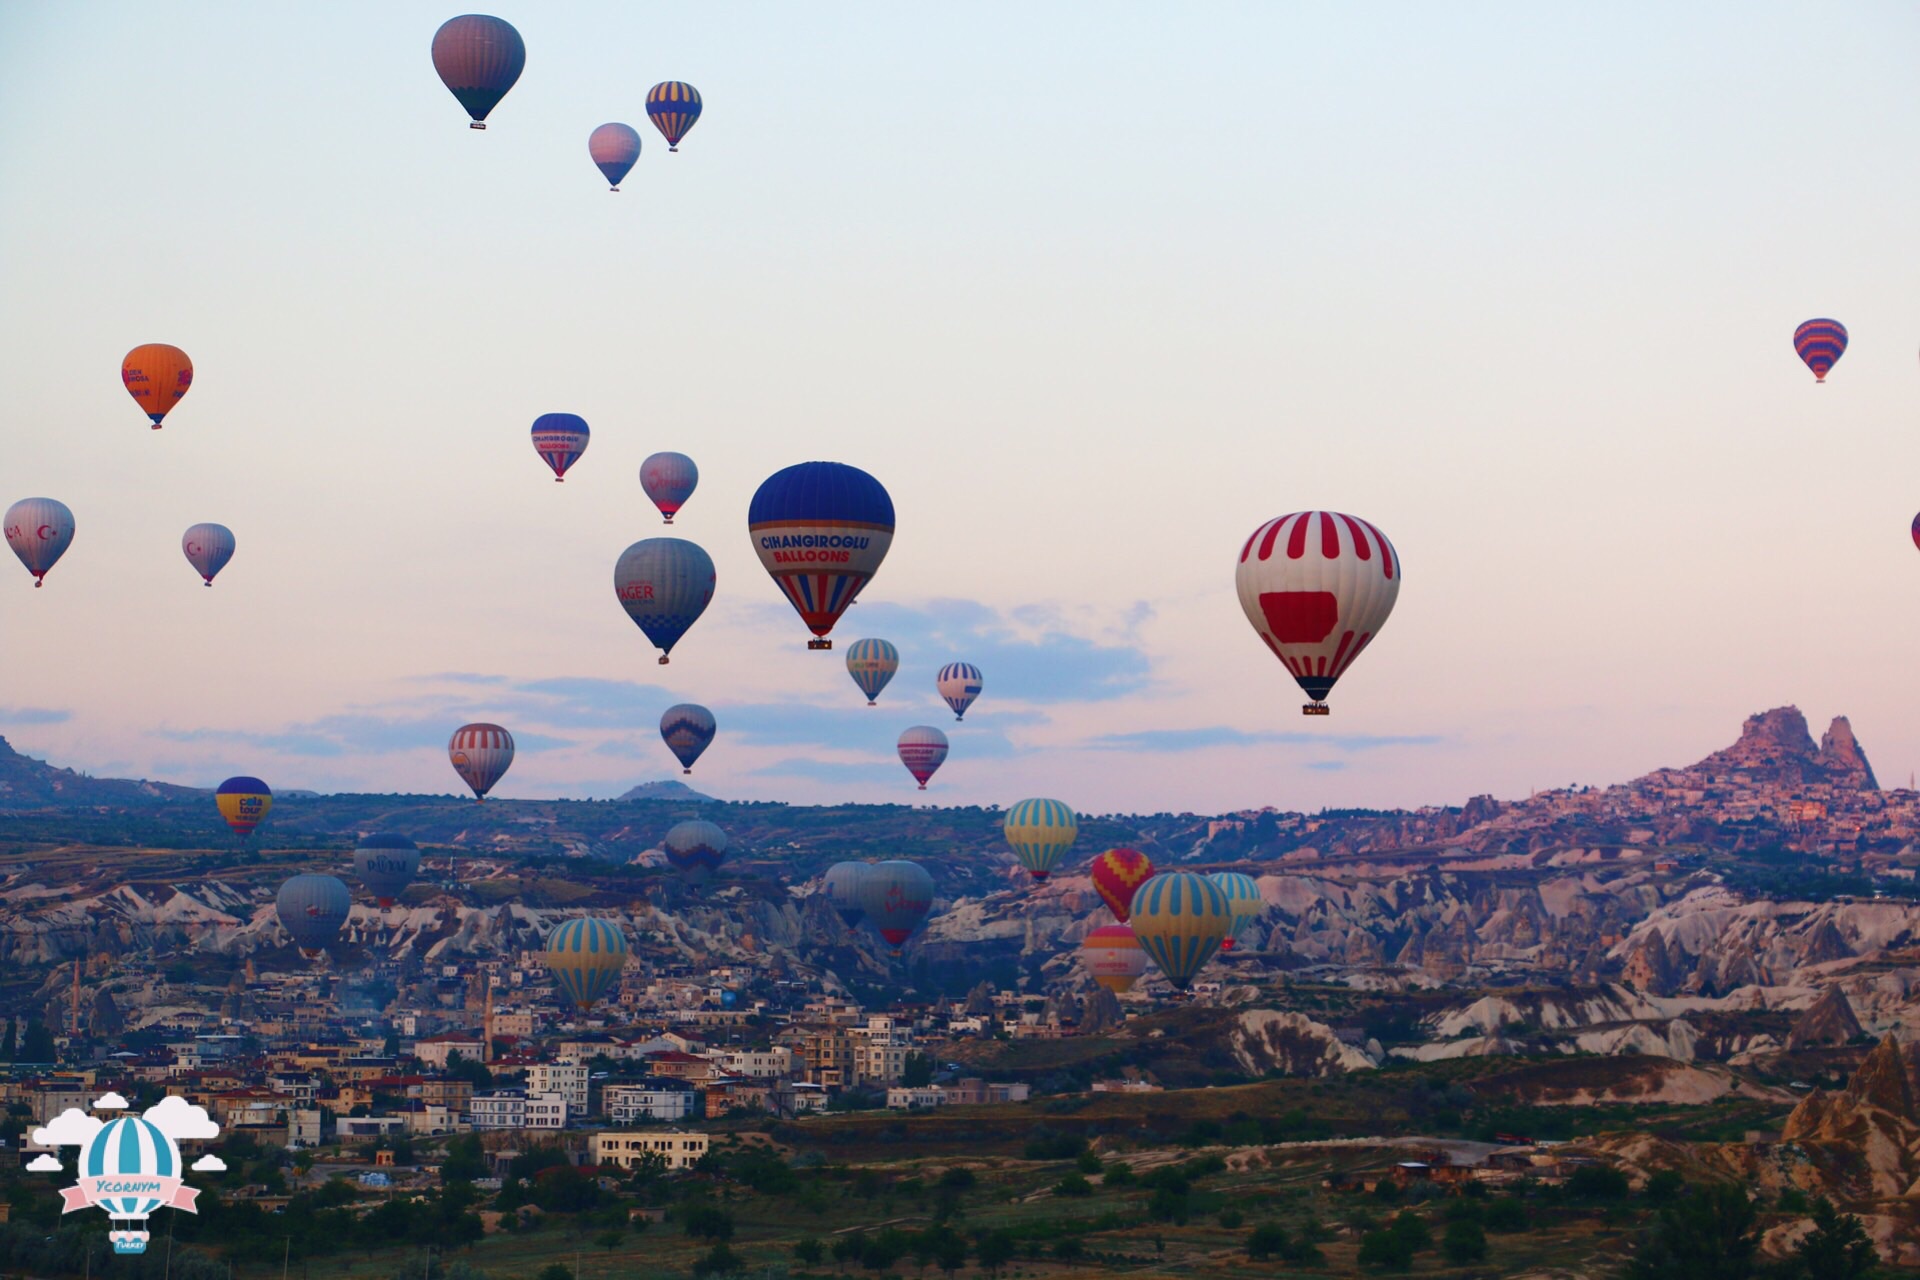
(568, 1079)
(680, 1150)
(633, 1103)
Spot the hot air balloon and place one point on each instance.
(1116, 875)
(386, 864)
(1820, 343)
(1916, 531)
(1317, 586)
(560, 439)
(897, 897)
(1181, 919)
(1243, 900)
(132, 1168)
(480, 754)
(872, 663)
(922, 749)
(697, 848)
(821, 529)
(312, 909)
(959, 683)
(664, 584)
(585, 956)
(668, 480)
(1041, 832)
(39, 531)
(1113, 956)
(842, 884)
(156, 375)
(208, 547)
(614, 148)
(244, 803)
(687, 727)
(479, 58)
(673, 106)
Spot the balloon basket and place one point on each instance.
(819, 643)
(666, 520)
(477, 124)
(1314, 709)
(663, 659)
(872, 703)
(686, 771)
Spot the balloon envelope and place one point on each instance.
(585, 956)
(673, 106)
(39, 530)
(1916, 531)
(157, 376)
(664, 584)
(614, 148)
(1116, 875)
(1113, 956)
(480, 754)
(843, 882)
(1041, 832)
(1243, 899)
(959, 683)
(479, 58)
(1317, 586)
(668, 480)
(922, 749)
(821, 530)
(208, 547)
(1820, 344)
(136, 1154)
(386, 864)
(687, 728)
(312, 909)
(897, 897)
(1181, 919)
(560, 439)
(244, 802)
(872, 663)
(696, 847)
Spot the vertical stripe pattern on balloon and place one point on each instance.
(674, 107)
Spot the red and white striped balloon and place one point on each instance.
(1317, 586)
(480, 754)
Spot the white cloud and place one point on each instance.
(71, 1128)
(45, 1162)
(109, 1102)
(209, 1163)
(180, 1119)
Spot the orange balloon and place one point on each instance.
(157, 375)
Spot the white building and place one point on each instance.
(679, 1150)
(568, 1079)
(546, 1111)
(632, 1103)
(880, 1049)
(758, 1064)
(515, 1109)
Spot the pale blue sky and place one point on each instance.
(1094, 289)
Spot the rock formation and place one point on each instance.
(1828, 1021)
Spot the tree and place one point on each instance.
(995, 1250)
(1118, 1174)
(846, 1248)
(1837, 1248)
(720, 1261)
(1386, 1251)
(466, 1160)
(38, 1044)
(807, 1252)
(1505, 1214)
(1597, 1182)
(1664, 1186)
(1464, 1242)
(610, 1240)
(556, 1271)
(1068, 1249)
(918, 1071)
(958, 1178)
(707, 1222)
(1412, 1228)
(1706, 1235)
(950, 1250)
(1266, 1240)
(1073, 1185)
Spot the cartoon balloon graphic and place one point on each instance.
(208, 547)
(39, 530)
(130, 1168)
(479, 58)
(1317, 586)
(614, 148)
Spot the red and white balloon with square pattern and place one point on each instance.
(1317, 586)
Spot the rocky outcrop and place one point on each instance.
(1828, 1021)
(1865, 1139)
(1840, 755)
(1269, 1040)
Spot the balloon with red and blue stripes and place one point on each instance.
(1820, 343)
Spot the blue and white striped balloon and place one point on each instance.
(959, 683)
(131, 1147)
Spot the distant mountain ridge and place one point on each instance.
(664, 789)
(29, 783)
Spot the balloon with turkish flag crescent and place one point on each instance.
(1317, 586)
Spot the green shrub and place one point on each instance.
(1231, 1219)
(1385, 1251)
(1073, 1185)
(1464, 1242)
(1504, 1214)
